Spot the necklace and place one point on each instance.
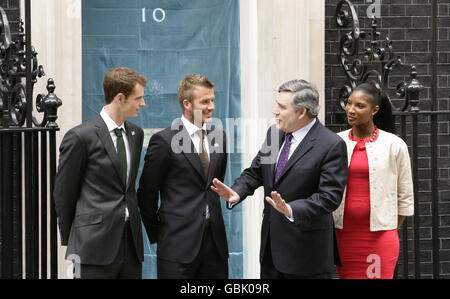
(371, 139)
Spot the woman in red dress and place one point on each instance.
(379, 193)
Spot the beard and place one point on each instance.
(196, 116)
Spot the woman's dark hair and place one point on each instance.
(384, 119)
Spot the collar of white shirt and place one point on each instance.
(301, 133)
(110, 123)
(190, 127)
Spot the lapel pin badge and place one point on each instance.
(133, 133)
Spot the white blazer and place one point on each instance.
(390, 179)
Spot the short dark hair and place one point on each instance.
(121, 80)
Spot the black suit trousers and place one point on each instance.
(268, 270)
(125, 266)
(208, 264)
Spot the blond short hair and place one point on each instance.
(189, 83)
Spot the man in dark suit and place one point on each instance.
(95, 196)
(303, 168)
(180, 163)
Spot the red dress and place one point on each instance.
(364, 254)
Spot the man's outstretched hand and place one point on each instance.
(279, 204)
(225, 192)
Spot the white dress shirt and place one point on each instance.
(111, 125)
(297, 138)
(195, 138)
(192, 131)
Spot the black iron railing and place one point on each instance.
(27, 159)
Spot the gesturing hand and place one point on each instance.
(279, 204)
(225, 192)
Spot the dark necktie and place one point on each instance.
(204, 159)
(284, 157)
(121, 152)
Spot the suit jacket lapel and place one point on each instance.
(132, 143)
(188, 149)
(305, 146)
(105, 137)
(215, 143)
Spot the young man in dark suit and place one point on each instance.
(303, 168)
(95, 196)
(180, 163)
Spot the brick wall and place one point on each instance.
(408, 23)
(12, 9)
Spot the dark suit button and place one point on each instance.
(204, 214)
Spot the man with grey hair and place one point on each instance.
(302, 187)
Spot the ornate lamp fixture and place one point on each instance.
(375, 64)
(13, 100)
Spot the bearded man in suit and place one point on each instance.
(95, 195)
